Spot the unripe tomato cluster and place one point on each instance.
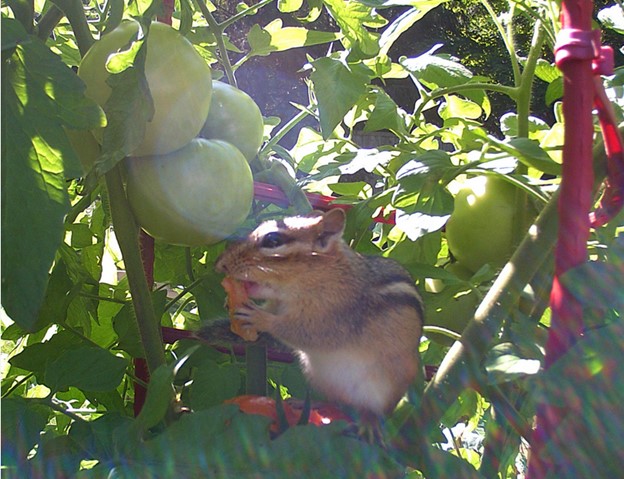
(189, 181)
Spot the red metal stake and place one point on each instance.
(575, 50)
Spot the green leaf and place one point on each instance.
(352, 17)
(404, 21)
(423, 4)
(554, 91)
(613, 18)
(547, 71)
(37, 356)
(276, 38)
(531, 154)
(338, 86)
(89, 368)
(504, 363)
(126, 328)
(457, 107)
(129, 107)
(289, 6)
(96, 437)
(436, 71)
(386, 115)
(40, 95)
(214, 383)
(22, 423)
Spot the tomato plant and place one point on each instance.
(195, 196)
(383, 105)
(234, 117)
(179, 82)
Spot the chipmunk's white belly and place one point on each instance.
(352, 377)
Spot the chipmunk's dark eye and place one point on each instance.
(273, 240)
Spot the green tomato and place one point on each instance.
(197, 195)
(481, 228)
(179, 80)
(234, 117)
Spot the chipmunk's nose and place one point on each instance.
(220, 265)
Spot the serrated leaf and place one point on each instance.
(337, 86)
(89, 368)
(96, 437)
(276, 38)
(40, 95)
(352, 17)
(547, 71)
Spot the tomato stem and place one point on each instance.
(127, 233)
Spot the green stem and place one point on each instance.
(127, 233)
(74, 11)
(507, 39)
(249, 11)
(47, 23)
(17, 385)
(283, 132)
(23, 11)
(525, 88)
(217, 31)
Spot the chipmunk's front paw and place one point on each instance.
(251, 316)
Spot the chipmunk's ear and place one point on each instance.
(333, 227)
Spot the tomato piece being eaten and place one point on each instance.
(236, 297)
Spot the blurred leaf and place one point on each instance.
(547, 71)
(89, 368)
(96, 437)
(214, 383)
(22, 422)
(613, 18)
(338, 86)
(554, 91)
(40, 95)
(597, 285)
(586, 381)
(504, 363)
(424, 204)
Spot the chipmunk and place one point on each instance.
(354, 321)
